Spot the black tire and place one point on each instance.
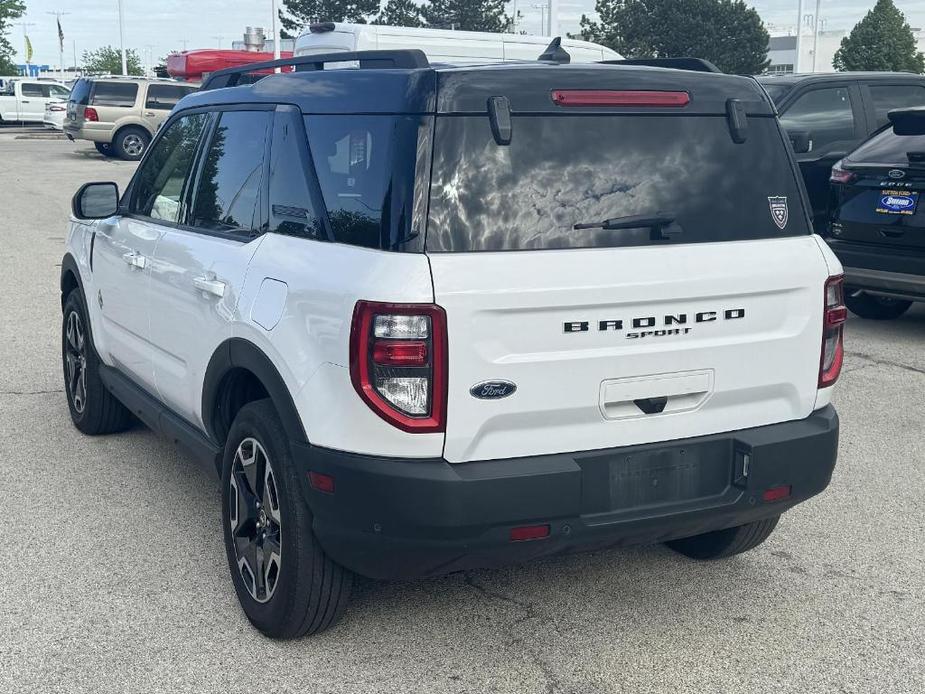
(131, 142)
(309, 591)
(720, 544)
(875, 307)
(94, 410)
(104, 148)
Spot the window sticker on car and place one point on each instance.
(779, 212)
(897, 202)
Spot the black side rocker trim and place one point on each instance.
(160, 418)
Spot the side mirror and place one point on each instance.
(96, 201)
(800, 141)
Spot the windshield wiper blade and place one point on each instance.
(661, 225)
(634, 221)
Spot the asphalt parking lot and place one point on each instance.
(115, 579)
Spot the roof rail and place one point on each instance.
(409, 59)
(695, 64)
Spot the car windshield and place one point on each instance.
(563, 171)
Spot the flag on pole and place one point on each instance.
(60, 35)
(28, 50)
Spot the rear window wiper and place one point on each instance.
(662, 225)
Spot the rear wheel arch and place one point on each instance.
(238, 373)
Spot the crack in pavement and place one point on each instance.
(528, 613)
(31, 392)
(883, 362)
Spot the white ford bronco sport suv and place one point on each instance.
(426, 318)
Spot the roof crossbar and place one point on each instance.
(410, 59)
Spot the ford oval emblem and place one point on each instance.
(492, 390)
(897, 173)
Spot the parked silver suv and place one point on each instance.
(120, 115)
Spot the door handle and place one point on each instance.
(25, 101)
(210, 285)
(135, 259)
(149, 114)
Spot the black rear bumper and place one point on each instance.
(892, 271)
(393, 518)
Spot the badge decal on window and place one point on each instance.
(779, 212)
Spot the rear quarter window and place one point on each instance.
(80, 92)
(560, 171)
(118, 94)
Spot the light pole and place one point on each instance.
(149, 58)
(275, 18)
(122, 40)
(219, 39)
(816, 34)
(796, 64)
(542, 7)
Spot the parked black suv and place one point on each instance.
(878, 223)
(829, 114)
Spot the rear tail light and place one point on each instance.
(833, 323)
(57, 108)
(398, 363)
(840, 175)
(90, 114)
(607, 97)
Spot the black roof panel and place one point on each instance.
(465, 89)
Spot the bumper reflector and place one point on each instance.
(529, 532)
(777, 493)
(321, 482)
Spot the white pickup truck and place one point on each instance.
(24, 101)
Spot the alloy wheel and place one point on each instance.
(75, 358)
(133, 145)
(255, 520)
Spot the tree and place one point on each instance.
(728, 33)
(298, 13)
(882, 40)
(108, 60)
(467, 15)
(9, 10)
(401, 13)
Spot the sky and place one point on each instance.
(157, 27)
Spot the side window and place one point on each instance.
(120, 94)
(59, 92)
(886, 97)
(292, 211)
(32, 90)
(159, 185)
(228, 191)
(825, 113)
(163, 97)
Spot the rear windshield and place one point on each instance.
(365, 165)
(114, 94)
(890, 149)
(80, 92)
(566, 170)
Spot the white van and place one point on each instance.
(440, 45)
